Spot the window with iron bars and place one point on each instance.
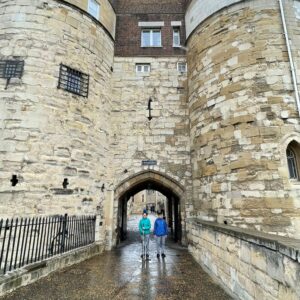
(11, 69)
(73, 81)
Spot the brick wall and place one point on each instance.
(128, 33)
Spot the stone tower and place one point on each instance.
(197, 99)
(243, 113)
(227, 133)
(55, 113)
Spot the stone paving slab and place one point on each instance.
(121, 274)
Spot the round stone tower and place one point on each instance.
(55, 66)
(243, 113)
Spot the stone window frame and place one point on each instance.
(151, 44)
(290, 140)
(293, 160)
(91, 9)
(181, 63)
(141, 68)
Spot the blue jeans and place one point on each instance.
(160, 244)
(145, 243)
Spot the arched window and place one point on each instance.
(292, 161)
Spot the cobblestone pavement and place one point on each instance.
(121, 274)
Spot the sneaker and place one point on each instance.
(142, 256)
(163, 255)
(147, 255)
(157, 255)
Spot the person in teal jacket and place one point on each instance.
(144, 228)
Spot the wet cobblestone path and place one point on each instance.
(121, 274)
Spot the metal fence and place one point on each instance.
(28, 240)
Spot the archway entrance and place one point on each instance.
(154, 181)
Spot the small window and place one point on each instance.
(11, 69)
(292, 162)
(94, 8)
(176, 37)
(181, 67)
(151, 38)
(73, 81)
(142, 68)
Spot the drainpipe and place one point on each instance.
(287, 40)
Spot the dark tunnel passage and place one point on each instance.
(172, 211)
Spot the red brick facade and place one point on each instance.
(128, 32)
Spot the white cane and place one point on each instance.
(144, 244)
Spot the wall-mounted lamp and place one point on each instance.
(14, 180)
(102, 188)
(149, 108)
(65, 183)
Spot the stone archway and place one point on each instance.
(163, 183)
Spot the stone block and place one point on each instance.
(287, 293)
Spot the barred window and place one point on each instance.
(11, 68)
(73, 81)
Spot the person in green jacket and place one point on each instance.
(144, 228)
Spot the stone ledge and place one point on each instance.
(284, 245)
(30, 273)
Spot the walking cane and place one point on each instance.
(144, 249)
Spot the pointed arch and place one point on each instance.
(154, 180)
(140, 181)
(293, 157)
(290, 156)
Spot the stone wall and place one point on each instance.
(243, 115)
(107, 16)
(48, 134)
(35, 271)
(248, 264)
(197, 11)
(166, 137)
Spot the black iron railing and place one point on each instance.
(28, 240)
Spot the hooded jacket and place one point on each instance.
(144, 226)
(160, 227)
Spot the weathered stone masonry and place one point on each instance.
(249, 264)
(164, 138)
(243, 114)
(219, 134)
(48, 134)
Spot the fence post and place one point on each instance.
(64, 230)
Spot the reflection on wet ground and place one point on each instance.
(121, 274)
